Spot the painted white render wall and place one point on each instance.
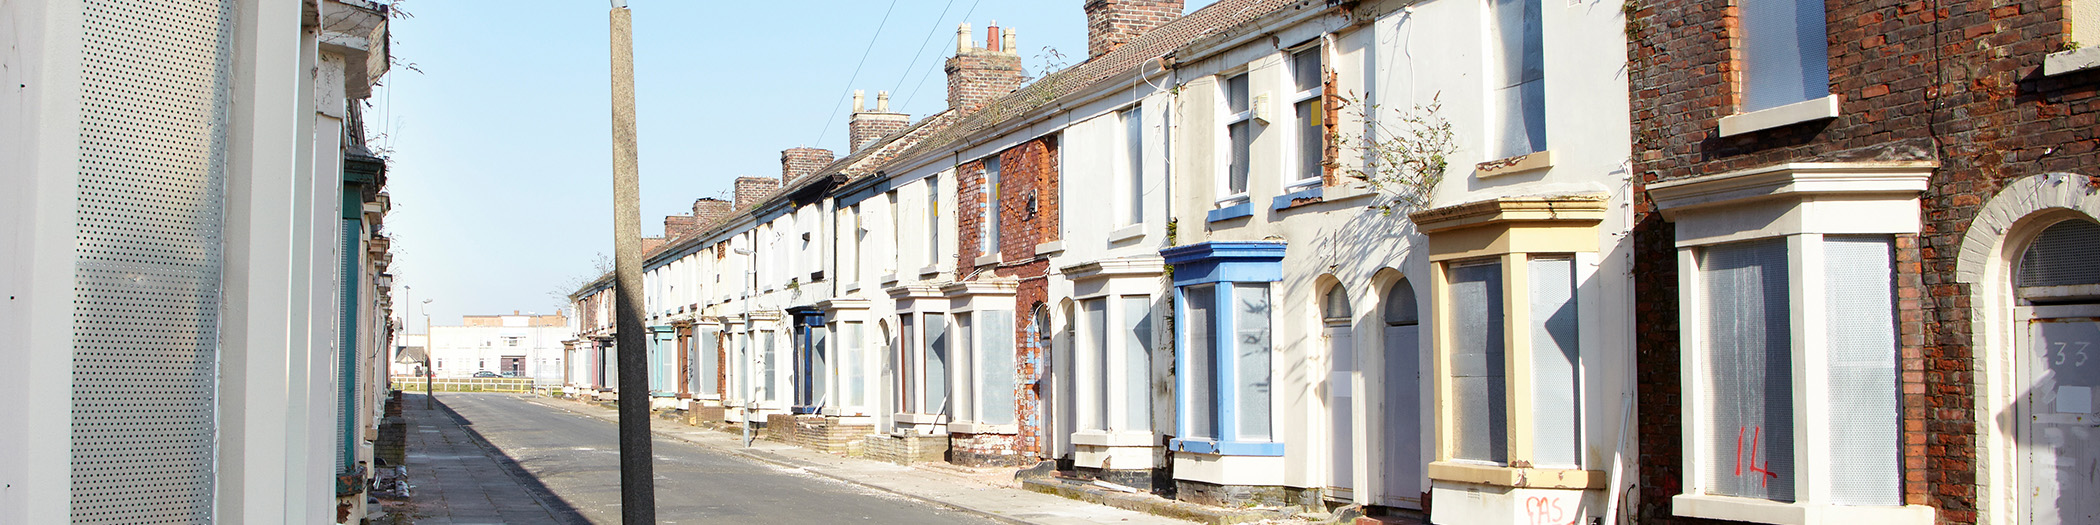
(39, 171)
(460, 351)
(1408, 56)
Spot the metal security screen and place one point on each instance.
(1749, 369)
(154, 91)
(1137, 363)
(1555, 364)
(1859, 284)
(1785, 50)
(1479, 381)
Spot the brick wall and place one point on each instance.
(867, 126)
(798, 162)
(977, 76)
(707, 210)
(1027, 172)
(1112, 23)
(1953, 81)
(751, 190)
(680, 226)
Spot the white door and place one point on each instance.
(1341, 409)
(2061, 440)
(1401, 462)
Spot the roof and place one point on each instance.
(1153, 45)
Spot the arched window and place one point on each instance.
(2059, 264)
(1400, 309)
(1337, 308)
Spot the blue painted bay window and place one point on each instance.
(1223, 298)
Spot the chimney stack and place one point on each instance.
(978, 76)
(680, 226)
(707, 210)
(751, 190)
(796, 163)
(866, 127)
(1112, 23)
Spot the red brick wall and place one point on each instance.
(1112, 23)
(1026, 171)
(798, 162)
(1952, 81)
(751, 190)
(708, 209)
(865, 127)
(980, 76)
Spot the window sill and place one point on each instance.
(1513, 165)
(1300, 197)
(850, 287)
(1790, 114)
(2073, 61)
(1500, 476)
(1127, 233)
(1227, 213)
(931, 269)
(1104, 438)
(918, 419)
(987, 260)
(972, 427)
(889, 278)
(1226, 448)
(1050, 248)
(1781, 513)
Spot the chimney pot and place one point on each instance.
(975, 78)
(1013, 41)
(882, 101)
(962, 39)
(991, 37)
(857, 106)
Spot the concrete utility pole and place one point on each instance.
(637, 475)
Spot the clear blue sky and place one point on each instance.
(500, 148)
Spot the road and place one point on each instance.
(576, 458)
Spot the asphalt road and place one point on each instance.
(576, 459)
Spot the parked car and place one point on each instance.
(512, 373)
(485, 373)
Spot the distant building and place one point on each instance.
(515, 345)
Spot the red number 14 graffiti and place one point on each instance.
(1764, 477)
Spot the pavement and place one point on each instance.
(456, 478)
(510, 458)
(992, 494)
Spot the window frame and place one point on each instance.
(1829, 200)
(1316, 95)
(1226, 196)
(1130, 171)
(1530, 227)
(979, 339)
(1225, 266)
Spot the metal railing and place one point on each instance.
(465, 384)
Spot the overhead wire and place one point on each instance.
(937, 23)
(929, 71)
(855, 77)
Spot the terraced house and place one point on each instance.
(1188, 265)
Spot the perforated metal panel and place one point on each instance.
(155, 90)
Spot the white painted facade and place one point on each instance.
(273, 207)
(461, 351)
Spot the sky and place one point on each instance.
(496, 120)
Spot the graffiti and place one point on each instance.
(1764, 476)
(1546, 510)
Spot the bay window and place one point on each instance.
(1787, 283)
(1225, 346)
(983, 355)
(1508, 353)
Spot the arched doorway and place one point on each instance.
(1402, 462)
(1337, 318)
(2016, 321)
(2056, 289)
